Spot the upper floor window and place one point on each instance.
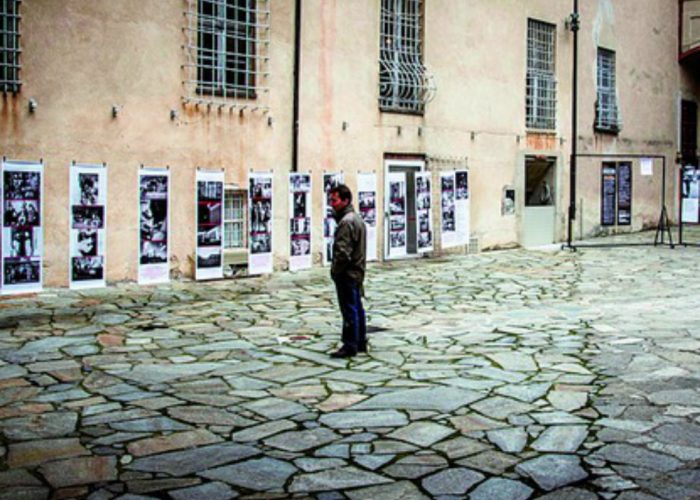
(226, 50)
(9, 46)
(607, 117)
(404, 84)
(541, 86)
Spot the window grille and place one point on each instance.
(607, 117)
(227, 52)
(9, 46)
(541, 86)
(404, 82)
(234, 219)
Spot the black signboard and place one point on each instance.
(607, 194)
(624, 194)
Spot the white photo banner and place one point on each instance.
(22, 227)
(448, 227)
(462, 206)
(329, 181)
(87, 226)
(424, 212)
(690, 194)
(260, 206)
(397, 214)
(299, 221)
(367, 206)
(154, 225)
(210, 225)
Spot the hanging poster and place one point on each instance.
(87, 226)
(448, 225)
(624, 194)
(367, 205)
(154, 224)
(690, 194)
(299, 221)
(329, 182)
(424, 212)
(260, 203)
(607, 196)
(22, 228)
(462, 206)
(210, 203)
(397, 214)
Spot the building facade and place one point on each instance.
(340, 86)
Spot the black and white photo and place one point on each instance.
(154, 220)
(208, 257)
(22, 213)
(21, 272)
(209, 237)
(20, 185)
(87, 243)
(154, 252)
(462, 181)
(154, 187)
(22, 243)
(89, 185)
(87, 268)
(85, 217)
(210, 191)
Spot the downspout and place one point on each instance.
(574, 26)
(297, 71)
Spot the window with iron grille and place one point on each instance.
(404, 83)
(234, 218)
(226, 49)
(541, 86)
(607, 116)
(9, 46)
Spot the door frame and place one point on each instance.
(419, 165)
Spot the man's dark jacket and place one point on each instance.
(350, 246)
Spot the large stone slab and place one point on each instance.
(262, 431)
(509, 440)
(171, 442)
(260, 474)
(302, 440)
(401, 490)
(182, 463)
(444, 399)
(422, 433)
(453, 481)
(364, 419)
(275, 408)
(46, 425)
(561, 439)
(159, 373)
(32, 453)
(641, 457)
(498, 488)
(553, 471)
(78, 471)
(335, 480)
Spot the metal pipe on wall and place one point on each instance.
(296, 90)
(574, 26)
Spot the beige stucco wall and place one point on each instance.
(80, 58)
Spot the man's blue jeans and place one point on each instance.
(354, 321)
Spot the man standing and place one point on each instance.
(348, 271)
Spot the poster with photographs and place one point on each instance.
(367, 206)
(329, 182)
(607, 194)
(299, 221)
(424, 212)
(210, 225)
(448, 225)
(624, 194)
(690, 194)
(87, 221)
(462, 206)
(22, 230)
(396, 201)
(154, 224)
(260, 237)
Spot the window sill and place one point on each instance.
(607, 131)
(401, 112)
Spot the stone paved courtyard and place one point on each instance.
(503, 375)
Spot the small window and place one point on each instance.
(404, 83)
(234, 218)
(541, 86)
(9, 46)
(226, 49)
(607, 116)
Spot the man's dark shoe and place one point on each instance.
(362, 349)
(342, 353)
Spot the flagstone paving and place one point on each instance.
(503, 375)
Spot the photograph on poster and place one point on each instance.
(398, 239)
(261, 216)
(300, 245)
(87, 217)
(300, 226)
(89, 188)
(209, 236)
(262, 188)
(208, 257)
(425, 239)
(87, 243)
(210, 190)
(299, 204)
(301, 183)
(21, 213)
(154, 216)
(260, 243)
(462, 181)
(22, 185)
(330, 181)
(690, 186)
(448, 220)
(87, 268)
(21, 272)
(22, 243)
(209, 213)
(423, 222)
(154, 252)
(398, 223)
(154, 187)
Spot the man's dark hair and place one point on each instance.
(343, 192)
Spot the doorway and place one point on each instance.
(401, 235)
(539, 201)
